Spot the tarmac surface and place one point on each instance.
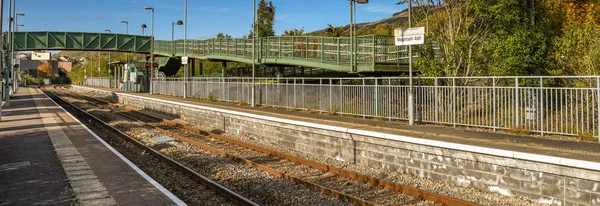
(47, 157)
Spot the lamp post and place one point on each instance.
(411, 95)
(19, 25)
(126, 32)
(253, 52)
(143, 28)
(151, 48)
(185, 67)
(17, 20)
(1, 56)
(7, 66)
(109, 31)
(254, 28)
(179, 22)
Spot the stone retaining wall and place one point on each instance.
(538, 181)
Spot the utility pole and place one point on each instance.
(185, 68)
(9, 57)
(411, 94)
(253, 52)
(12, 48)
(1, 52)
(126, 32)
(151, 50)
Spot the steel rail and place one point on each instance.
(381, 184)
(228, 194)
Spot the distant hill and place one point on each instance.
(397, 19)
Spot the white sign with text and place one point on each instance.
(184, 60)
(409, 36)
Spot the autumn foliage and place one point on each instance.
(45, 69)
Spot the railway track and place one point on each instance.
(227, 194)
(346, 185)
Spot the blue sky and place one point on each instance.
(206, 17)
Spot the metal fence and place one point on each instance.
(557, 105)
(370, 49)
(99, 82)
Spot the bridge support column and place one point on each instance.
(280, 71)
(201, 68)
(224, 70)
(193, 66)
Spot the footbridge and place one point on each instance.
(374, 53)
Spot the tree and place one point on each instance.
(294, 32)
(577, 50)
(220, 35)
(265, 20)
(45, 69)
(337, 31)
(382, 29)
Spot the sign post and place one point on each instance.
(409, 37)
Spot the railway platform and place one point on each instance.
(550, 170)
(48, 157)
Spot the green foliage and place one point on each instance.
(220, 35)
(265, 20)
(32, 81)
(577, 52)
(383, 29)
(294, 32)
(337, 31)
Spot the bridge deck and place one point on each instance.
(374, 53)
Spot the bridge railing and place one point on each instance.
(547, 105)
(98, 82)
(370, 50)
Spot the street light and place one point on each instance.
(17, 20)
(143, 28)
(185, 67)
(254, 28)
(19, 25)
(179, 22)
(151, 47)
(126, 32)
(109, 31)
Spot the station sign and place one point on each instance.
(184, 60)
(409, 36)
(42, 56)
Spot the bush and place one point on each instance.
(32, 81)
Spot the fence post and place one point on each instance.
(540, 102)
(374, 52)
(376, 97)
(437, 101)
(341, 96)
(293, 50)
(390, 99)
(338, 51)
(494, 102)
(517, 115)
(598, 105)
(331, 95)
(454, 102)
(364, 112)
(303, 99)
(322, 48)
(295, 99)
(320, 101)
(420, 100)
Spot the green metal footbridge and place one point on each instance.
(373, 53)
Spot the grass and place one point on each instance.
(586, 137)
